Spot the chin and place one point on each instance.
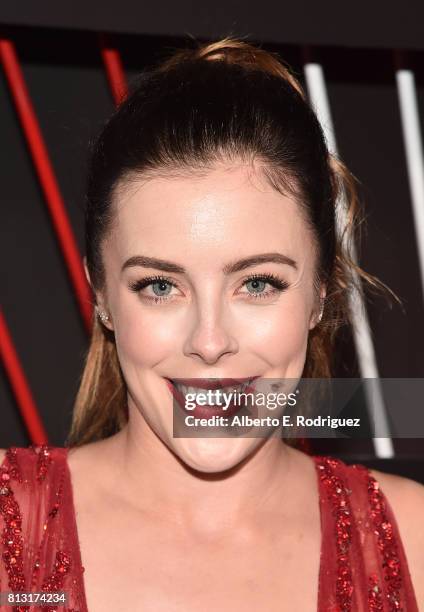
(214, 455)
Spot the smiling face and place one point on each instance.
(204, 315)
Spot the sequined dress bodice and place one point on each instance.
(363, 566)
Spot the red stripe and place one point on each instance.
(47, 179)
(114, 70)
(26, 403)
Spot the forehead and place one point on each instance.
(222, 210)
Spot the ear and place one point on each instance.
(318, 311)
(100, 307)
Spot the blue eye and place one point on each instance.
(255, 282)
(162, 285)
(259, 282)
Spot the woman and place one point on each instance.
(212, 253)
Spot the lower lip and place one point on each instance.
(204, 412)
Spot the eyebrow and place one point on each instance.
(230, 268)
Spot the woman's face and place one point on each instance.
(203, 318)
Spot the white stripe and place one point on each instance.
(383, 445)
(414, 154)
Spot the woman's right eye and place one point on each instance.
(160, 286)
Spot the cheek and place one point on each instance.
(142, 340)
(281, 337)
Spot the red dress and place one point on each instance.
(363, 564)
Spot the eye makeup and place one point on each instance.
(278, 286)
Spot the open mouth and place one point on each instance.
(205, 398)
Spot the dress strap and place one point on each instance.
(363, 564)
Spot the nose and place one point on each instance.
(211, 337)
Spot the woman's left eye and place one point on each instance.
(258, 282)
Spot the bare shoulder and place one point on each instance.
(406, 498)
(88, 456)
(92, 466)
(2, 454)
(82, 460)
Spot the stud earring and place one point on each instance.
(321, 312)
(103, 316)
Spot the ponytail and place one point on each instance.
(101, 404)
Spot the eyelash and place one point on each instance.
(278, 284)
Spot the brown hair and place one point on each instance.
(223, 100)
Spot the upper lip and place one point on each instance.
(211, 383)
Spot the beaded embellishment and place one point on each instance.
(12, 532)
(338, 495)
(387, 546)
(383, 595)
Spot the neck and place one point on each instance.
(154, 479)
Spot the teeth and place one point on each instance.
(184, 389)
